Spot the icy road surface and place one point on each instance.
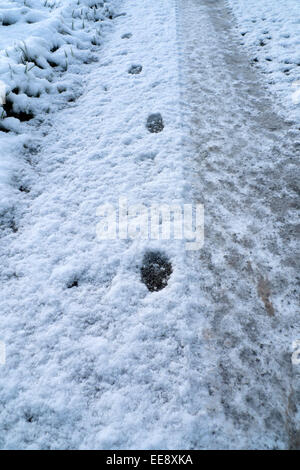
(93, 359)
(245, 162)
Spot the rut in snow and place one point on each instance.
(94, 358)
(243, 163)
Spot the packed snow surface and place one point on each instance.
(159, 103)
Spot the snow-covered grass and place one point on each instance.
(270, 29)
(39, 41)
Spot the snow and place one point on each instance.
(270, 31)
(101, 365)
(94, 360)
(244, 168)
(39, 41)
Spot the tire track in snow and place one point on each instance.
(244, 161)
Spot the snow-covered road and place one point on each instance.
(95, 360)
(245, 171)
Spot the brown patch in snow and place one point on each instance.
(264, 292)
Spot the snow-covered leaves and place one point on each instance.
(156, 270)
(53, 35)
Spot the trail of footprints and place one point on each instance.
(156, 268)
